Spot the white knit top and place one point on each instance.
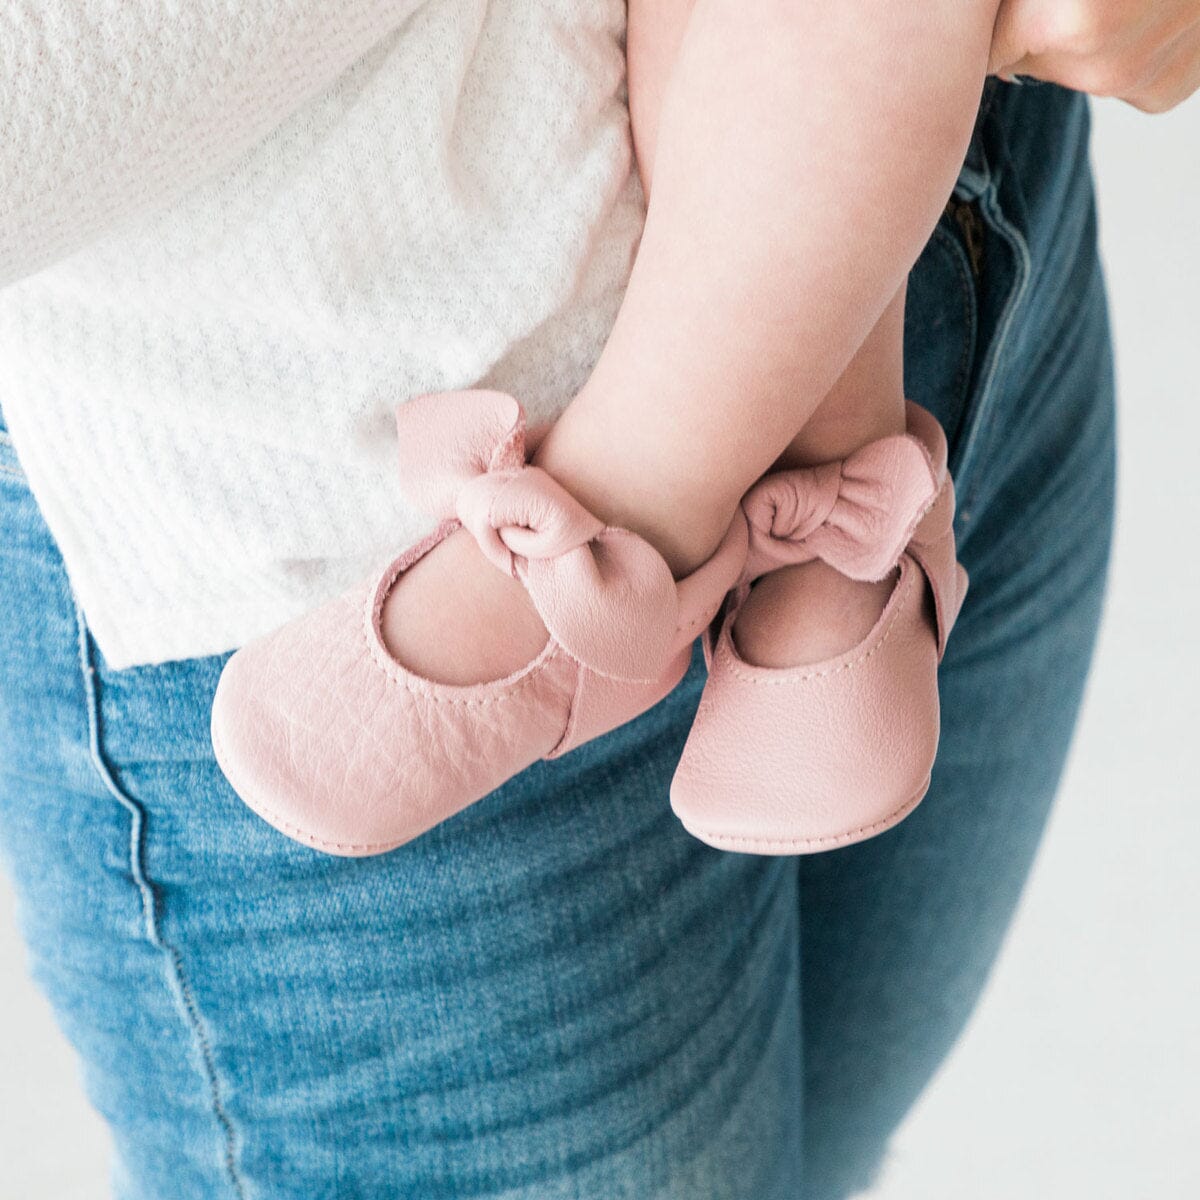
(234, 236)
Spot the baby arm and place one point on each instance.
(801, 154)
(867, 401)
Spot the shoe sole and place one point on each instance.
(750, 844)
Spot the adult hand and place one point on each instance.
(1146, 52)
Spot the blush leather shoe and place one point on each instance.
(336, 744)
(798, 760)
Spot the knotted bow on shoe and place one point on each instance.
(857, 515)
(861, 514)
(605, 594)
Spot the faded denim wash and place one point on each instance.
(559, 995)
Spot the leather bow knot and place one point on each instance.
(857, 515)
(523, 514)
(605, 595)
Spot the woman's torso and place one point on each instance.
(202, 400)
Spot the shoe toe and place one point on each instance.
(808, 759)
(335, 744)
(291, 728)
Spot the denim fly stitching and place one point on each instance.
(992, 370)
(137, 823)
(953, 246)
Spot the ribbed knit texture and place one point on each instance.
(234, 236)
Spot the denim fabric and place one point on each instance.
(559, 994)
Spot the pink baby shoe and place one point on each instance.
(804, 759)
(331, 740)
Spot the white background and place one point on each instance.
(1079, 1078)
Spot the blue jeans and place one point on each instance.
(559, 994)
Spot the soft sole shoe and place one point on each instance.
(803, 759)
(335, 743)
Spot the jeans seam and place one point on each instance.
(962, 374)
(149, 901)
(976, 436)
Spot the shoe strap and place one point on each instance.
(860, 514)
(605, 594)
(857, 515)
(933, 543)
(933, 548)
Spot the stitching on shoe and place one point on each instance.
(319, 843)
(838, 839)
(431, 690)
(572, 713)
(788, 675)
